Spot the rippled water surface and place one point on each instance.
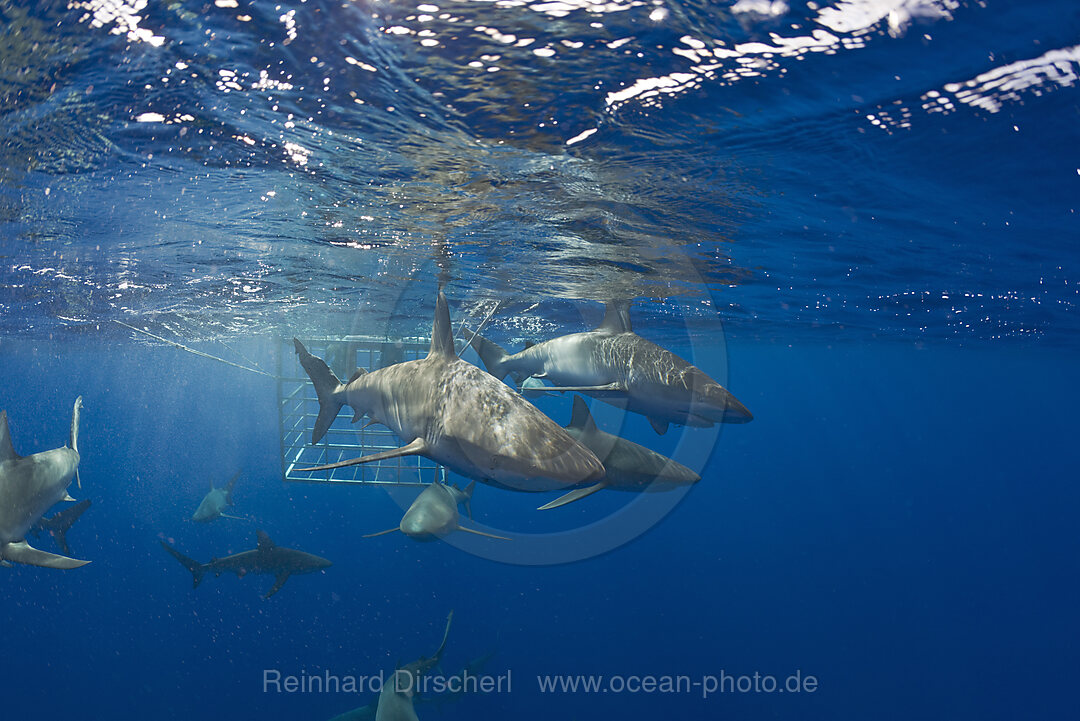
(875, 200)
(902, 168)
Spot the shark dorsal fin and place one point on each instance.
(265, 544)
(7, 451)
(580, 416)
(616, 317)
(442, 337)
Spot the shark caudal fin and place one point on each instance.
(446, 634)
(326, 388)
(62, 522)
(492, 355)
(197, 569)
(229, 488)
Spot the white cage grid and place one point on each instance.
(298, 408)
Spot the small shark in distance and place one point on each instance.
(214, 503)
(434, 514)
(266, 558)
(614, 364)
(31, 485)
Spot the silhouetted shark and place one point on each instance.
(215, 502)
(266, 558)
(59, 524)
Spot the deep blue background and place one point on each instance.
(898, 522)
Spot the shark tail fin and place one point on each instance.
(468, 497)
(197, 569)
(491, 354)
(326, 388)
(229, 487)
(446, 634)
(59, 531)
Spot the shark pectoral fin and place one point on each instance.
(608, 389)
(574, 495)
(381, 533)
(78, 479)
(481, 533)
(660, 426)
(235, 518)
(416, 448)
(281, 579)
(6, 564)
(67, 497)
(23, 552)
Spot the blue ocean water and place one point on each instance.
(860, 215)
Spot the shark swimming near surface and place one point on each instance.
(214, 503)
(434, 514)
(31, 485)
(266, 558)
(450, 411)
(60, 523)
(629, 466)
(614, 364)
(398, 692)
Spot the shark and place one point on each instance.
(396, 697)
(214, 503)
(614, 364)
(450, 411)
(60, 523)
(629, 466)
(31, 485)
(265, 558)
(434, 514)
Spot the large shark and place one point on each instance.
(214, 503)
(450, 411)
(266, 558)
(617, 366)
(60, 523)
(29, 486)
(434, 514)
(396, 698)
(629, 466)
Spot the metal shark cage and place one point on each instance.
(298, 408)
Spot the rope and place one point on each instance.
(181, 346)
